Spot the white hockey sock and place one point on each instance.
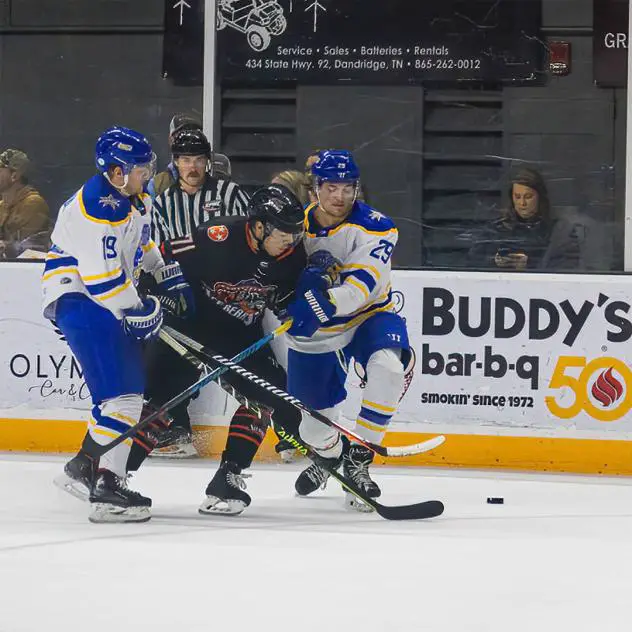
(384, 384)
(324, 439)
(111, 419)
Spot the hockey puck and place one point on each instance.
(495, 501)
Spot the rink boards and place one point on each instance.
(520, 371)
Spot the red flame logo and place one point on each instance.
(607, 389)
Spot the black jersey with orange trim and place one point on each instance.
(233, 281)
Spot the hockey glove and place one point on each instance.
(174, 292)
(313, 278)
(309, 311)
(145, 322)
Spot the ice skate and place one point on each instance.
(112, 501)
(225, 493)
(356, 467)
(313, 478)
(286, 451)
(77, 476)
(175, 443)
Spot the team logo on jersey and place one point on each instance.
(110, 201)
(244, 300)
(217, 233)
(376, 215)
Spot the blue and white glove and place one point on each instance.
(144, 322)
(313, 278)
(310, 311)
(174, 292)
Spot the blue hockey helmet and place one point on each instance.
(335, 165)
(125, 148)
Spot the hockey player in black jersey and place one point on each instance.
(237, 267)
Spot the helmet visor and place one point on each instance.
(145, 171)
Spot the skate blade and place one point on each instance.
(355, 504)
(106, 513)
(174, 452)
(212, 505)
(72, 487)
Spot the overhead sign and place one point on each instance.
(361, 41)
(610, 43)
(373, 41)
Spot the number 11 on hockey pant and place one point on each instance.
(417, 511)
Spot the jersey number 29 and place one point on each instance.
(383, 251)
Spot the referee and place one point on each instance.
(195, 198)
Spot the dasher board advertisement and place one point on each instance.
(519, 350)
(39, 376)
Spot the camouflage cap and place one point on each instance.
(15, 160)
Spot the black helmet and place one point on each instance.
(190, 142)
(277, 207)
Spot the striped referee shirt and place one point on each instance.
(176, 213)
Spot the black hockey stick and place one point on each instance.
(398, 451)
(100, 450)
(257, 408)
(417, 511)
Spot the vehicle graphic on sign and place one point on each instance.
(258, 19)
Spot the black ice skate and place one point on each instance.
(286, 451)
(314, 477)
(175, 443)
(112, 501)
(356, 466)
(77, 477)
(225, 493)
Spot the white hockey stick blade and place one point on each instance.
(415, 448)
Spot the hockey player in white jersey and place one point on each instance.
(343, 309)
(101, 242)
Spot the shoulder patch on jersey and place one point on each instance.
(110, 201)
(217, 233)
(369, 218)
(100, 202)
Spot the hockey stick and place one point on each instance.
(259, 409)
(417, 511)
(100, 450)
(399, 451)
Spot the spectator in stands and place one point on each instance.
(296, 182)
(24, 214)
(528, 236)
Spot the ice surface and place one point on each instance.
(557, 556)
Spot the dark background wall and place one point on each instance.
(434, 158)
(69, 70)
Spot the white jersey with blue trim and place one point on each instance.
(101, 242)
(360, 248)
